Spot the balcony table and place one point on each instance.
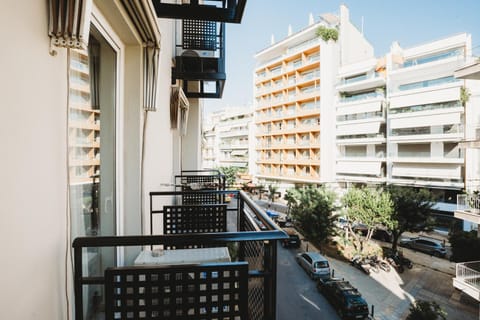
(184, 256)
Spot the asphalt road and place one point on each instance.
(297, 296)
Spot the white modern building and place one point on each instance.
(227, 137)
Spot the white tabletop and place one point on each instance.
(184, 256)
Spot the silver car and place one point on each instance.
(315, 264)
(430, 246)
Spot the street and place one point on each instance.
(297, 296)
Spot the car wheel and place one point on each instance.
(311, 275)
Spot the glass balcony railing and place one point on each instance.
(360, 97)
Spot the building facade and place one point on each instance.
(351, 118)
(227, 137)
(295, 81)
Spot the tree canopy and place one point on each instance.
(312, 210)
(370, 207)
(426, 310)
(412, 209)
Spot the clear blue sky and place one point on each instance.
(410, 22)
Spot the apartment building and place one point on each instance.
(294, 102)
(227, 137)
(361, 123)
(400, 119)
(235, 132)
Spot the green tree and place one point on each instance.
(412, 208)
(230, 174)
(272, 191)
(290, 196)
(368, 206)
(312, 210)
(426, 310)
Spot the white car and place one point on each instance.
(315, 264)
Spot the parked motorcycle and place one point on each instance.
(395, 262)
(382, 264)
(373, 264)
(402, 260)
(358, 262)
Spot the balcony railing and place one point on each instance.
(468, 202)
(469, 273)
(122, 289)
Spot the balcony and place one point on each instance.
(467, 278)
(241, 285)
(468, 207)
(200, 58)
(230, 11)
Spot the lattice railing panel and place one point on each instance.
(217, 291)
(194, 219)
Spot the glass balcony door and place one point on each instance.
(92, 155)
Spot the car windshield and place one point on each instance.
(321, 264)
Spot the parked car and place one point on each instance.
(315, 264)
(284, 221)
(431, 246)
(379, 233)
(344, 297)
(293, 240)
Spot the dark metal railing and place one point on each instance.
(251, 238)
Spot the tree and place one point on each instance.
(312, 210)
(412, 210)
(272, 191)
(368, 206)
(426, 310)
(290, 196)
(230, 174)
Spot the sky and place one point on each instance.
(409, 22)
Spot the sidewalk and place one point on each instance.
(391, 293)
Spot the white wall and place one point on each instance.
(33, 191)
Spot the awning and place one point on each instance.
(69, 23)
(141, 13)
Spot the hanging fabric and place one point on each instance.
(69, 23)
(142, 15)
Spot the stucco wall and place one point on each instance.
(33, 189)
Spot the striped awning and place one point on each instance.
(69, 23)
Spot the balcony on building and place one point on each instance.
(200, 58)
(230, 11)
(203, 257)
(468, 207)
(467, 278)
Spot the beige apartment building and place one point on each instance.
(295, 113)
